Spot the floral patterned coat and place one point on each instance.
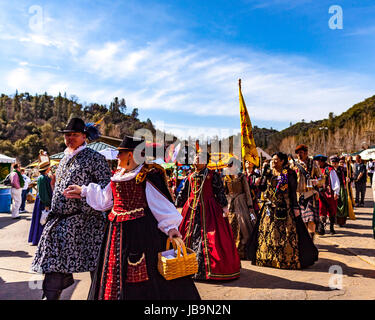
(73, 234)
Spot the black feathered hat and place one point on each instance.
(91, 130)
(320, 157)
(130, 143)
(74, 125)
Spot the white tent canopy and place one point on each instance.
(263, 153)
(109, 153)
(6, 159)
(368, 154)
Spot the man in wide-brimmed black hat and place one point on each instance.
(74, 133)
(73, 233)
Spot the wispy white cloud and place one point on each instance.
(50, 41)
(365, 31)
(188, 130)
(33, 65)
(284, 4)
(172, 77)
(25, 79)
(200, 81)
(66, 33)
(283, 88)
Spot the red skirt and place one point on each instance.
(331, 211)
(209, 234)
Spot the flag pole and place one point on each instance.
(243, 158)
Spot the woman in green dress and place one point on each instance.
(342, 203)
(42, 202)
(281, 239)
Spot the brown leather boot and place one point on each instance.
(320, 230)
(331, 225)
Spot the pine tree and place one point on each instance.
(123, 106)
(58, 108)
(29, 123)
(16, 103)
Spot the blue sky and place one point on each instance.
(179, 62)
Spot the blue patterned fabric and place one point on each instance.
(36, 228)
(74, 231)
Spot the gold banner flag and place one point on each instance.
(248, 147)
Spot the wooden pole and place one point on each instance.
(243, 158)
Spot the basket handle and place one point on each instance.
(182, 245)
(177, 242)
(174, 245)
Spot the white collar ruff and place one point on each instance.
(121, 176)
(72, 154)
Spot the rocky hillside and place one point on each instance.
(30, 123)
(349, 132)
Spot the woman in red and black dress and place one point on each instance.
(205, 227)
(142, 217)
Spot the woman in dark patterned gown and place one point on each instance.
(281, 239)
(204, 228)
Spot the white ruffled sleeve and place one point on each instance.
(98, 198)
(335, 182)
(163, 210)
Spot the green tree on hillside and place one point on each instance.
(30, 123)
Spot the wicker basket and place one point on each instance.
(184, 264)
